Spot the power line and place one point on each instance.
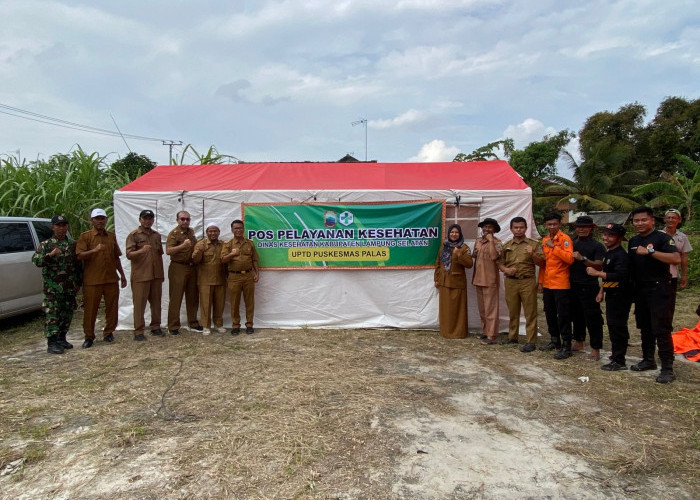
(57, 122)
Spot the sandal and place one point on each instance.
(488, 341)
(593, 357)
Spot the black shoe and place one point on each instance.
(508, 341)
(158, 333)
(563, 353)
(666, 376)
(63, 342)
(235, 331)
(551, 346)
(174, 332)
(249, 330)
(52, 345)
(613, 367)
(109, 338)
(482, 336)
(140, 337)
(529, 347)
(198, 328)
(87, 344)
(643, 366)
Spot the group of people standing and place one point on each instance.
(200, 271)
(648, 274)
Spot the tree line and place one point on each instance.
(624, 161)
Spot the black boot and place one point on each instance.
(52, 345)
(564, 351)
(63, 342)
(553, 344)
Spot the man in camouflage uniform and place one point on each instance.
(62, 275)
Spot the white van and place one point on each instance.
(21, 285)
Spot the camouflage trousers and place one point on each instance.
(58, 308)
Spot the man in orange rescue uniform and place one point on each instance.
(553, 282)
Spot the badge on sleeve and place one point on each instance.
(566, 243)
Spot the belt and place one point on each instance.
(241, 272)
(520, 277)
(188, 264)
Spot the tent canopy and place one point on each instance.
(483, 175)
(399, 298)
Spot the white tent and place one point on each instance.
(332, 298)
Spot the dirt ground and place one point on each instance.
(336, 414)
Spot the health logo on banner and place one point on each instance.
(361, 235)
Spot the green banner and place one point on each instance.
(348, 235)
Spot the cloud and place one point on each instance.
(527, 131)
(435, 150)
(234, 90)
(410, 116)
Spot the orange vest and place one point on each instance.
(687, 342)
(555, 273)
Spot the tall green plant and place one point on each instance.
(70, 184)
(211, 157)
(678, 189)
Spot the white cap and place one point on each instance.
(213, 224)
(96, 212)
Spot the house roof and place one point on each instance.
(483, 175)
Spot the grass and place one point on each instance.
(308, 414)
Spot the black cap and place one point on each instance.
(489, 220)
(146, 213)
(584, 220)
(617, 229)
(59, 219)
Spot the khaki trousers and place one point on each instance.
(522, 292)
(92, 296)
(487, 299)
(212, 297)
(151, 292)
(182, 280)
(237, 284)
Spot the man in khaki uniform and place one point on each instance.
(145, 251)
(241, 257)
(182, 274)
(517, 262)
(486, 279)
(99, 252)
(210, 279)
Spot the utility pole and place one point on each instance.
(171, 144)
(362, 121)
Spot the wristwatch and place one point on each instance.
(651, 250)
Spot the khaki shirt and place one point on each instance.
(176, 238)
(207, 256)
(515, 255)
(485, 266)
(100, 268)
(149, 266)
(245, 259)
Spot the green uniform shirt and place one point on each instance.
(62, 273)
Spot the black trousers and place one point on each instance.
(652, 310)
(586, 313)
(556, 310)
(617, 311)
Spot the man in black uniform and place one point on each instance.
(585, 311)
(616, 291)
(651, 254)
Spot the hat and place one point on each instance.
(584, 220)
(212, 224)
(617, 229)
(489, 220)
(59, 219)
(97, 212)
(146, 213)
(673, 211)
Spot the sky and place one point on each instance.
(285, 80)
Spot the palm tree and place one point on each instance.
(598, 184)
(678, 190)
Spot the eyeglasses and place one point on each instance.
(184, 218)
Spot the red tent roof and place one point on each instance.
(481, 175)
